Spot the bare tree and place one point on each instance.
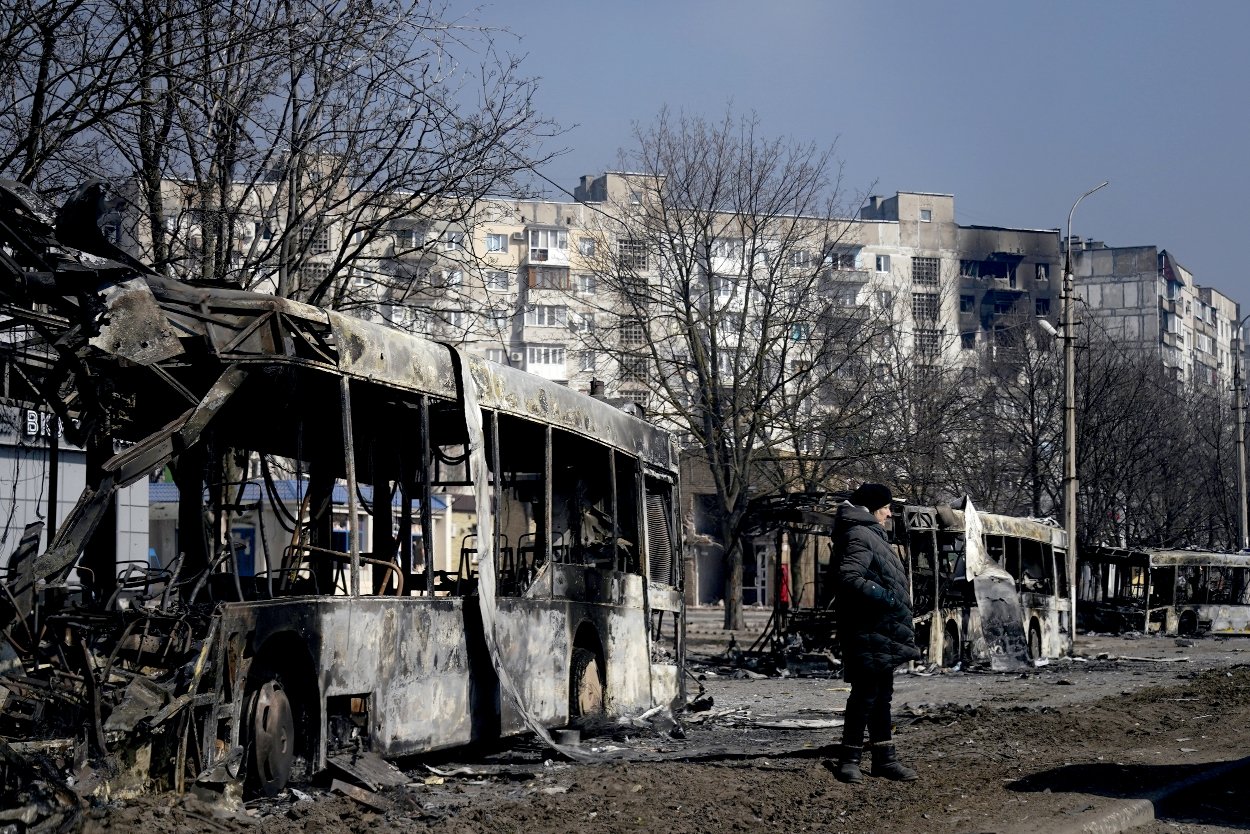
(715, 252)
(294, 147)
(1021, 419)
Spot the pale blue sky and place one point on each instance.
(1015, 108)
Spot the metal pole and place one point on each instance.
(1069, 411)
(1239, 414)
(349, 458)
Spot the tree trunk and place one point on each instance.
(733, 586)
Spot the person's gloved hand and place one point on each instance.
(878, 594)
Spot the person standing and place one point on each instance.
(874, 629)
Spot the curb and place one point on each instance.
(1131, 813)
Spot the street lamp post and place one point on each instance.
(1239, 414)
(1069, 410)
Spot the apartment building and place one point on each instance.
(961, 286)
(1142, 297)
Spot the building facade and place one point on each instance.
(1142, 297)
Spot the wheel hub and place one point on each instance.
(273, 738)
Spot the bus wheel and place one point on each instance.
(1035, 641)
(585, 684)
(1188, 625)
(273, 738)
(950, 646)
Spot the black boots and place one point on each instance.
(848, 765)
(885, 763)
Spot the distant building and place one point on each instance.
(1142, 297)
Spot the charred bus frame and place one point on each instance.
(944, 594)
(567, 601)
(947, 592)
(1160, 591)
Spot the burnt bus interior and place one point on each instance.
(1136, 590)
(931, 544)
(230, 390)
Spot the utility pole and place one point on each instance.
(1069, 410)
(1239, 414)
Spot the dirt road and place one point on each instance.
(1036, 751)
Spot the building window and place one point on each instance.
(841, 259)
(633, 369)
(885, 299)
(800, 332)
(549, 355)
(632, 333)
(582, 322)
(548, 278)
(453, 319)
(498, 355)
(496, 243)
(586, 284)
(453, 240)
(453, 278)
(924, 306)
(928, 342)
(313, 274)
(967, 341)
(314, 238)
(926, 215)
(542, 241)
(586, 360)
(722, 286)
(1004, 306)
(1041, 306)
(586, 246)
(967, 303)
(925, 271)
(1043, 272)
(497, 316)
(727, 247)
(883, 263)
(638, 398)
(633, 253)
(800, 258)
(405, 238)
(546, 315)
(496, 280)
(635, 198)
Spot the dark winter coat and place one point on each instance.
(874, 609)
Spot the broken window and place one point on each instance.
(925, 306)
(925, 271)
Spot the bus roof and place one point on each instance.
(992, 524)
(1163, 558)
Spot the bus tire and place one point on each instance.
(951, 654)
(585, 684)
(271, 747)
(1035, 641)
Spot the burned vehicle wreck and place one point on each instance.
(987, 589)
(566, 601)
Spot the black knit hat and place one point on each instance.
(871, 497)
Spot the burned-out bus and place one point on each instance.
(1160, 591)
(991, 590)
(959, 586)
(568, 597)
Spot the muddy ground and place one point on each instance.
(996, 752)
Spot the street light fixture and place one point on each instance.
(1069, 409)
